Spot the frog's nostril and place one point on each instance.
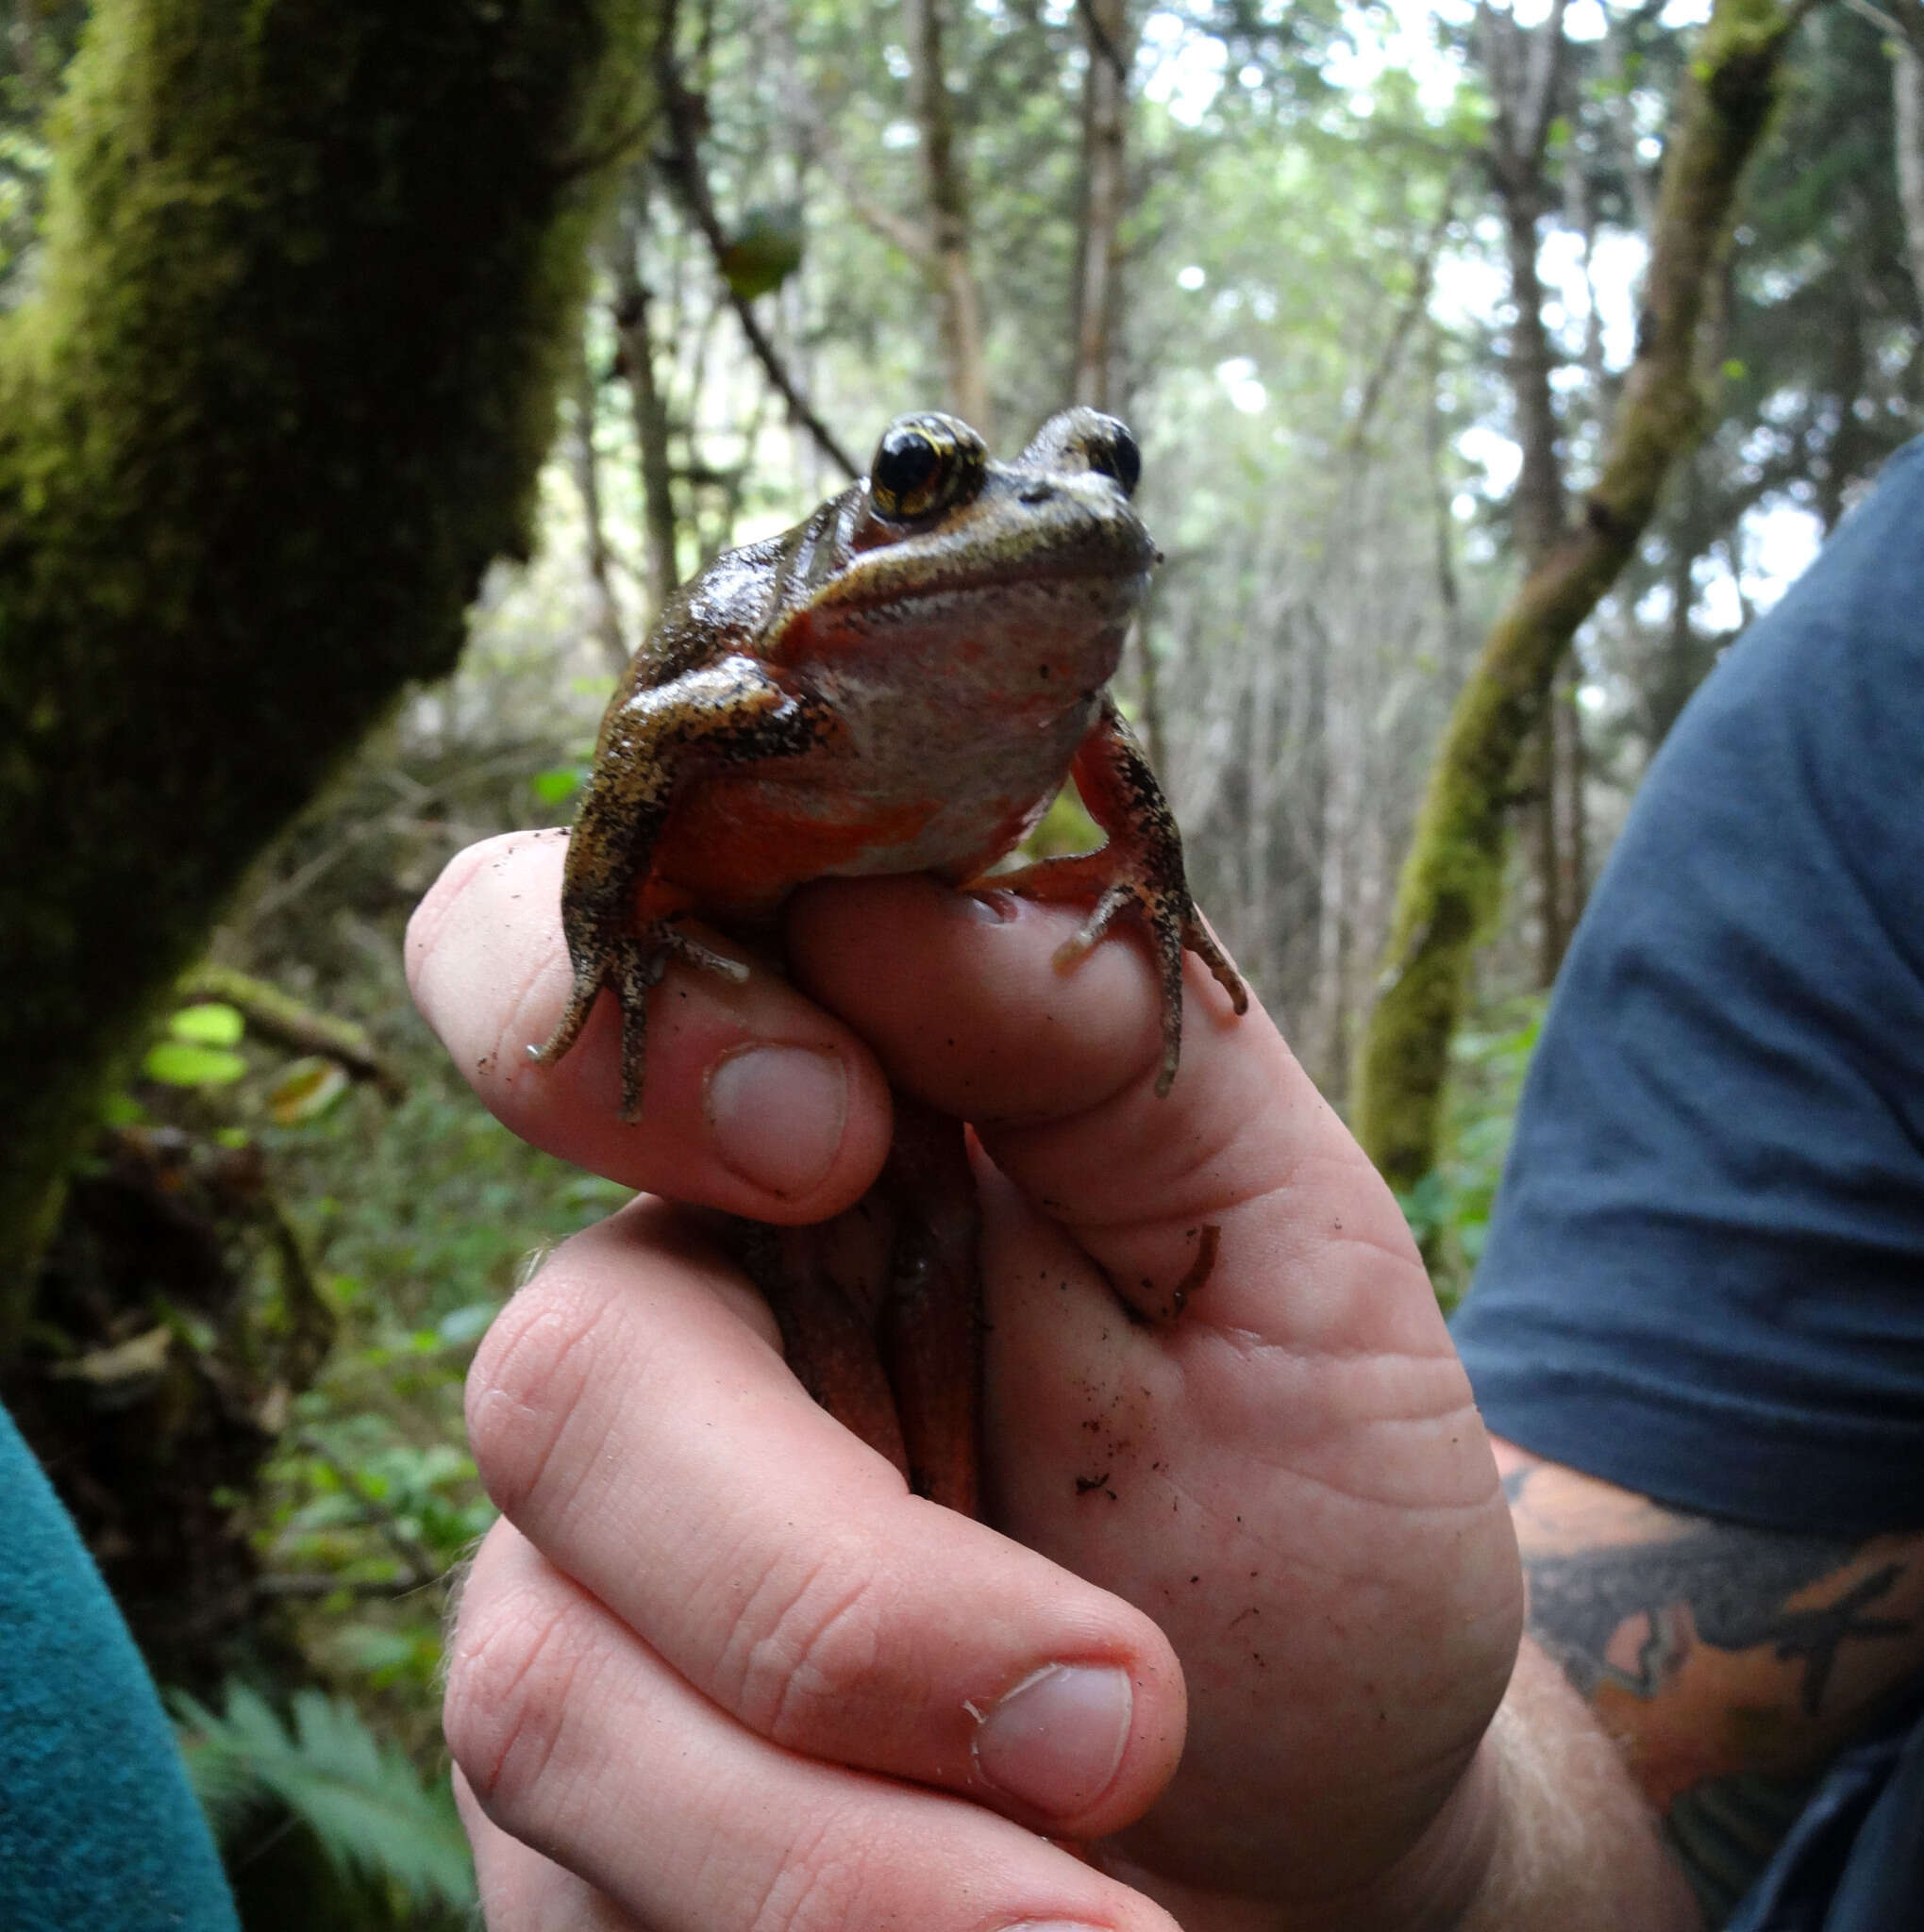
(1037, 492)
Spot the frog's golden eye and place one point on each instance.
(924, 465)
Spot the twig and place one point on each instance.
(322, 1585)
(281, 1017)
(1099, 39)
(1415, 305)
(418, 1557)
(683, 168)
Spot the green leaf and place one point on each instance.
(180, 1063)
(210, 1024)
(361, 1799)
(764, 251)
(306, 1090)
(552, 788)
(462, 1325)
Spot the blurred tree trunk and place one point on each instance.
(1451, 884)
(1907, 91)
(279, 395)
(661, 569)
(1110, 45)
(1523, 67)
(604, 618)
(951, 261)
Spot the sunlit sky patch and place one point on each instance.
(1244, 388)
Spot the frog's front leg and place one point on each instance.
(652, 746)
(1139, 868)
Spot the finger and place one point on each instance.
(1288, 1472)
(653, 1444)
(1057, 1072)
(523, 1892)
(755, 1101)
(578, 1742)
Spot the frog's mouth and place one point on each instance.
(880, 578)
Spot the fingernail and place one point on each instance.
(988, 906)
(775, 1115)
(1056, 1740)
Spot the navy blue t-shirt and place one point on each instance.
(1705, 1273)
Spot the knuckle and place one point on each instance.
(509, 1673)
(527, 1384)
(810, 1646)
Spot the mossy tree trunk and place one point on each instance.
(1452, 885)
(280, 396)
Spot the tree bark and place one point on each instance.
(605, 618)
(661, 566)
(281, 394)
(1105, 193)
(1907, 91)
(1451, 884)
(957, 295)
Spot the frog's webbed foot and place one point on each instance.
(630, 961)
(1139, 869)
(1160, 898)
(1174, 928)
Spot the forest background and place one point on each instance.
(1492, 368)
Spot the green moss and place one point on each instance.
(308, 272)
(1450, 891)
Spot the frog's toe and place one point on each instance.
(1073, 951)
(1167, 935)
(581, 998)
(677, 944)
(1199, 940)
(637, 969)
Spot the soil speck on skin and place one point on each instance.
(1086, 1483)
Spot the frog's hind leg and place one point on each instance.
(932, 1318)
(881, 1308)
(825, 1302)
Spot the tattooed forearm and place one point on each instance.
(1737, 1587)
(1731, 1663)
(1620, 1594)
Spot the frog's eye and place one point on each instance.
(1084, 438)
(924, 465)
(1113, 452)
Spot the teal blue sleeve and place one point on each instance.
(98, 1828)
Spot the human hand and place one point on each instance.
(717, 1662)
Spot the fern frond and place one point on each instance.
(362, 1800)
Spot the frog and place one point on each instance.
(900, 684)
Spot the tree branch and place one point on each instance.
(278, 398)
(684, 170)
(1452, 881)
(280, 1017)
